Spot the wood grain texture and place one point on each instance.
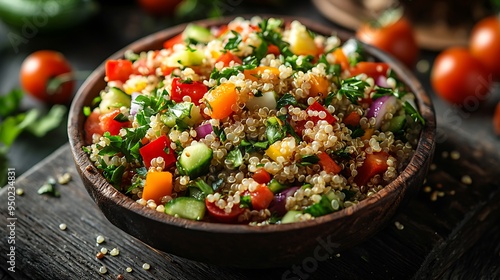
(456, 236)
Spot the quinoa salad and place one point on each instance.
(255, 122)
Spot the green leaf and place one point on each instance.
(308, 160)
(233, 42)
(235, 157)
(357, 132)
(10, 102)
(48, 122)
(413, 113)
(12, 126)
(49, 188)
(274, 130)
(285, 100)
(353, 88)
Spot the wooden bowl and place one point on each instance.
(243, 245)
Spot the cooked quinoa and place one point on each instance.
(256, 122)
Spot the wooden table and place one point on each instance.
(451, 229)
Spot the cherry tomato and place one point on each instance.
(261, 176)
(396, 38)
(92, 126)
(220, 215)
(457, 76)
(38, 69)
(484, 44)
(496, 120)
(159, 7)
(261, 197)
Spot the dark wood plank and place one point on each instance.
(439, 240)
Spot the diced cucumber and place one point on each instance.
(267, 99)
(276, 186)
(186, 112)
(291, 217)
(196, 33)
(113, 99)
(195, 160)
(186, 207)
(188, 57)
(397, 123)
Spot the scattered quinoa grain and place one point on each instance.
(466, 179)
(104, 250)
(20, 191)
(99, 239)
(444, 154)
(128, 269)
(423, 66)
(64, 178)
(114, 252)
(103, 270)
(427, 189)
(63, 226)
(433, 167)
(99, 255)
(455, 155)
(146, 266)
(399, 225)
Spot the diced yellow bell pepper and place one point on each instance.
(301, 42)
(283, 148)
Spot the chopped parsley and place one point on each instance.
(353, 88)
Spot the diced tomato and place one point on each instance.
(319, 108)
(108, 122)
(328, 164)
(140, 67)
(158, 148)
(371, 69)
(119, 70)
(194, 89)
(375, 163)
(352, 119)
(261, 197)
(227, 57)
(222, 30)
(261, 176)
(92, 126)
(166, 70)
(341, 58)
(170, 43)
(220, 215)
(273, 49)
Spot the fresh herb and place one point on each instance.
(10, 102)
(220, 133)
(285, 100)
(203, 189)
(233, 42)
(413, 113)
(235, 158)
(217, 184)
(342, 153)
(274, 130)
(300, 63)
(353, 88)
(329, 98)
(49, 188)
(269, 33)
(228, 72)
(353, 49)
(331, 69)
(128, 146)
(252, 146)
(288, 129)
(357, 132)
(275, 186)
(320, 208)
(246, 201)
(120, 118)
(86, 111)
(309, 160)
(349, 194)
(382, 91)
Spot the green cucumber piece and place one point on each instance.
(188, 57)
(195, 160)
(276, 186)
(197, 34)
(290, 217)
(114, 99)
(397, 123)
(186, 207)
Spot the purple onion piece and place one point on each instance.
(203, 130)
(381, 81)
(379, 108)
(277, 206)
(134, 107)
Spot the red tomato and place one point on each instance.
(159, 7)
(108, 122)
(396, 38)
(221, 216)
(457, 76)
(371, 69)
(227, 57)
(319, 108)
(194, 89)
(328, 164)
(273, 49)
(158, 148)
(92, 126)
(352, 119)
(38, 69)
(261, 197)
(496, 120)
(170, 43)
(485, 43)
(119, 70)
(374, 164)
(261, 176)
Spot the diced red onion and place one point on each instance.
(381, 81)
(278, 204)
(203, 130)
(134, 107)
(379, 108)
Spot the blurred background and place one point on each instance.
(86, 32)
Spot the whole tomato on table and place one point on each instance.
(392, 33)
(484, 44)
(39, 69)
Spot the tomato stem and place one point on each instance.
(56, 82)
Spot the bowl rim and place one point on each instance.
(423, 150)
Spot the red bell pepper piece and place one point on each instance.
(170, 43)
(261, 197)
(119, 70)
(158, 148)
(319, 108)
(375, 163)
(194, 89)
(371, 69)
(328, 164)
(227, 57)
